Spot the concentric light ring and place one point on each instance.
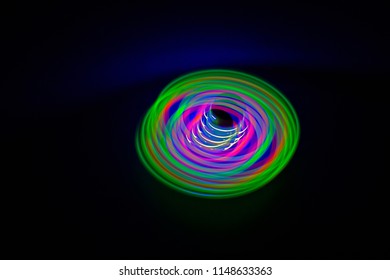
(185, 143)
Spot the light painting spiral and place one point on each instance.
(218, 134)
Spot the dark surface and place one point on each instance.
(73, 186)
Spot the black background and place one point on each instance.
(73, 187)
